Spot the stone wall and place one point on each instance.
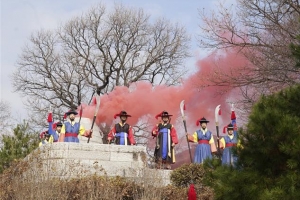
(75, 160)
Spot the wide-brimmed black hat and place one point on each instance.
(59, 124)
(55, 125)
(72, 112)
(202, 120)
(163, 114)
(228, 127)
(122, 113)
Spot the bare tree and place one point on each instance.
(5, 117)
(261, 31)
(98, 49)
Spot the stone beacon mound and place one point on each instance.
(76, 160)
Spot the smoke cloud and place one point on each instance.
(142, 99)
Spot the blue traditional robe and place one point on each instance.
(229, 142)
(203, 149)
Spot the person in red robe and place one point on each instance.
(122, 132)
(166, 139)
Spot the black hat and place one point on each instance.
(228, 127)
(163, 114)
(59, 124)
(202, 120)
(72, 112)
(122, 113)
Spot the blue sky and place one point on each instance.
(21, 18)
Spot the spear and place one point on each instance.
(80, 113)
(92, 97)
(217, 113)
(182, 108)
(96, 111)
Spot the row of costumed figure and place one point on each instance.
(164, 133)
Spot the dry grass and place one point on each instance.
(38, 177)
(14, 185)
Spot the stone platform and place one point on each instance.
(75, 160)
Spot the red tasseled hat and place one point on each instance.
(202, 120)
(42, 134)
(55, 125)
(228, 127)
(224, 129)
(122, 113)
(163, 114)
(192, 193)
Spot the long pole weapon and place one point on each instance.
(92, 97)
(80, 113)
(217, 113)
(96, 111)
(182, 108)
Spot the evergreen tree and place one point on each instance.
(295, 49)
(17, 146)
(269, 159)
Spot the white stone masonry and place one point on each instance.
(75, 160)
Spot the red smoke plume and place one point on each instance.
(141, 99)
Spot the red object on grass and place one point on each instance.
(192, 193)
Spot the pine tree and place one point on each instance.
(269, 159)
(17, 146)
(295, 49)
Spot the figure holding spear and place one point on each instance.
(230, 141)
(205, 140)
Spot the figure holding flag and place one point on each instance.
(166, 139)
(229, 141)
(52, 127)
(205, 140)
(57, 128)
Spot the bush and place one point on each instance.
(192, 173)
(17, 146)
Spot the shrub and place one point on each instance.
(192, 173)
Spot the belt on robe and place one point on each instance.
(71, 135)
(230, 145)
(203, 142)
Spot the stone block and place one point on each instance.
(126, 149)
(58, 146)
(75, 160)
(57, 154)
(90, 155)
(101, 148)
(118, 156)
